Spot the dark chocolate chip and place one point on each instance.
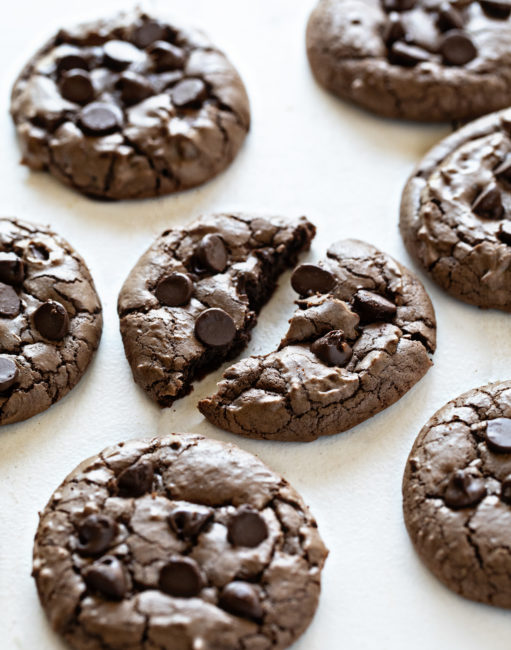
(464, 490)
(214, 327)
(72, 61)
(332, 349)
(189, 93)
(120, 54)
(174, 290)
(398, 5)
(449, 17)
(76, 86)
(8, 373)
(488, 204)
(166, 56)
(136, 479)
(372, 308)
(134, 88)
(12, 268)
(95, 534)
(181, 578)
(212, 253)
(187, 522)
(498, 435)
(106, 576)
(309, 278)
(503, 170)
(504, 233)
(505, 489)
(393, 30)
(457, 48)
(496, 8)
(9, 301)
(149, 32)
(241, 599)
(51, 320)
(246, 528)
(38, 251)
(402, 53)
(100, 118)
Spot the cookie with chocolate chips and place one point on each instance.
(428, 60)
(456, 211)
(191, 300)
(50, 319)
(361, 337)
(177, 542)
(130, 107)
(457, 494)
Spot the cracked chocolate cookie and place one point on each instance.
(50, 319)
(456, 209)
(429, 60)
(361, 337)
(130, 107)
(177, 542)
(457, 494)
(191, 300)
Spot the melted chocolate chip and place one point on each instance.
(120, 54)
(38, 252)
(149, 32)
(496, 8)
(8, 373)
(309, 278)
(332, 349)
(166, 56)
(189, 93)
(449, 17)
(212, 253)
(136, 480)
(503, 170)
(402, 53)
(12, 269)
(457, 48)
(174, 290)
(76, 86)
(188, 522)
(464, 490)
(394, 29)
(100, 118)
(246, 528)
(372, 308)
(398, 5)
(72, 61)
(505, 489)
(241, 599)
(134, 88)
(215, 328)
(504, 233)
(51, 320)
(9, 301)
(106, 576)
(95, 534)
(181, 578)
(498, 435)
(488, 204)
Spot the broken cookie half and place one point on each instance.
(361, 337)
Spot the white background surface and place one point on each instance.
(307, 153)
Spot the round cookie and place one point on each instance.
(457, 494)
(455, 212)
(191, 300)
(50, 319)
(130, 107)
(177, 542)
(361, 337)
(428, 60)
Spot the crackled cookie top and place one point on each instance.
(130, 107)
(50, 319)
(191, 300)
(177, 542)
(360, 338)
(418, 59)
(457, 494)
(455, 212)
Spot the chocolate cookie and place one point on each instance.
(359, 340)
(130, 107)
(455, 212)
(191, 300)
(457, 494)
(430, 60)
(177, 542)
(50, 319)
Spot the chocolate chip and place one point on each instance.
(106, 576)
(464, 490)
(246, 528)
(120, 54)
(402, 53)
(166, 56)
(136, 480)
(181, 578)
(76, 86)
(503, 170)
(241, 599)
(149, 32)
(51, 320)
(505, 489)
(95, 534)
(457, 48)
(212, 253)
(100, 118)
(449, 18)
(496, 8)
(8, 373)
(12, 268)
(9, 301)
(309, 278)
(214, 327)
(504, 233)
(488, 204)
(72, 61)
(189, 93)
(187, 522)
(174, 290)
(372, 308)
(393, 30)
(398, 5)
(332, 349)
(498, 435)
(38, 252)
(134, 88)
